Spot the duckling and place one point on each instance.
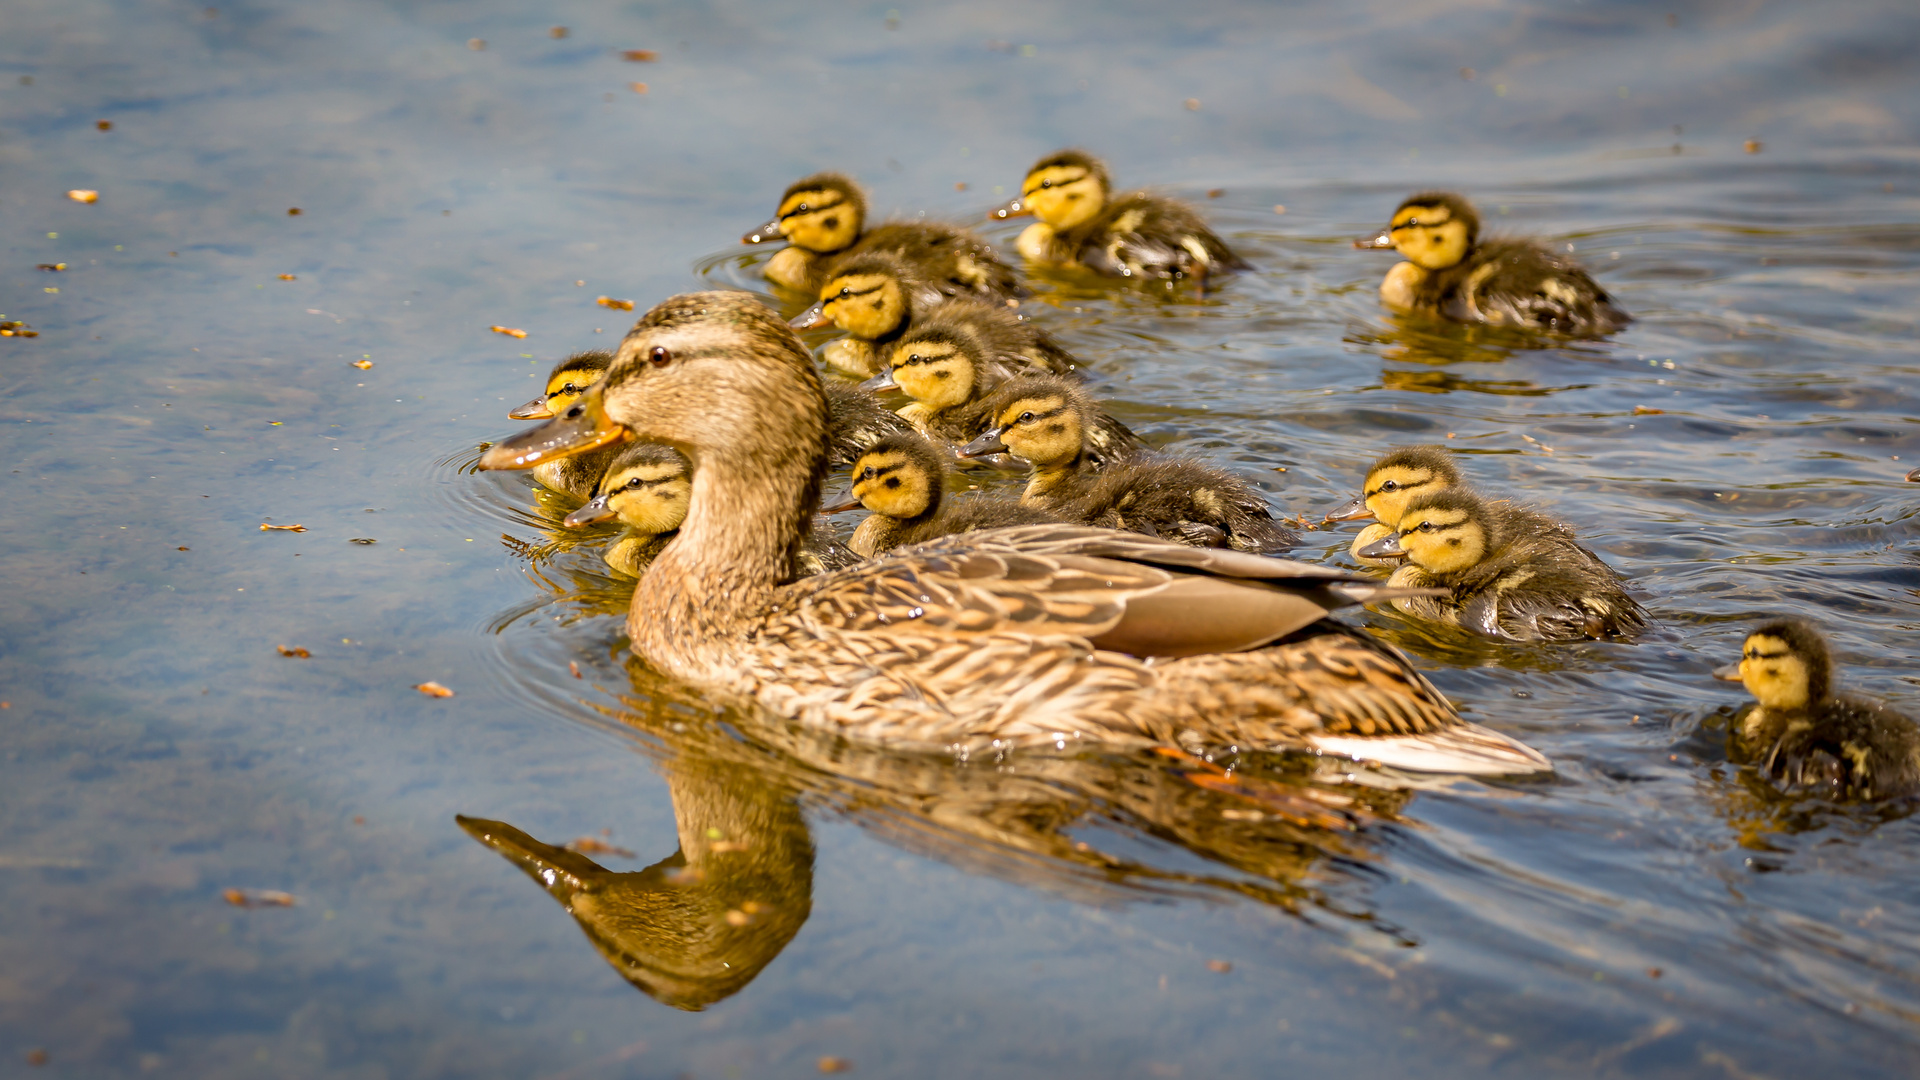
(856, 420)
(1043, 420)
(1451, 273)
(876, 298)
(1390, 483)
(1501, 581)
(1804, 736)
(1028, 636)
(902, 481)
(569, 379)
(1082, 223)
(949, 369)
(821, 218)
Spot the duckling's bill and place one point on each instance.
(598, 509)
(1387, 547)
(583, 427)
(765, 234)
(1381, 239)
(532, 410)
(813, 317)
(1727, 673)
(1016, 208)
(988, 443)
(1355, 510)
(882, 381)
(839, 504)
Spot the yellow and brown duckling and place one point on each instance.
(1043, 420)
(1031, 636)
(570, 377)
(1803, 736)
(1450, 271)
(877, 298)
(823, 219)
(1504, 577)
(1132, 235)
(902, 482)
(950, 365)
(1393, 480)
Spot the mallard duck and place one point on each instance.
(1043, 421)
(821, 218)
(1502, 581)
(1137, 235)
(1450, 272)
(877, 298)
(902, 482)
(569, 378)
(947, 365)
(1804, 736)
(647, 488)
(1029, 636)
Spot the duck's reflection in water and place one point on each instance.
(702, 923)
(1432, 345)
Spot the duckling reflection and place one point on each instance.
(700, 924)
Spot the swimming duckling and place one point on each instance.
(1450, 272)
(1806, 737)
(902, 481)
(877, 298)
(949, 369)
(996, 640)
(857, 420)
(1390, 483)
(569, 379)
(1502, 581)
(1082, 223)
(1043, 420)
(821, 218)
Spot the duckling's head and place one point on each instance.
(1065, 189)
(565, 383)
(1784, 665)
(1040, 419)
(822, 213)
(937, 366)
(647, 487)
(866, 297)
(1433, 230)
(1397, 479)
(901, 476)
(1441, 533)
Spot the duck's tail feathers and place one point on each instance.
(1465, 748)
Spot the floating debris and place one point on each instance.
(51, 268)
(640, 56)
(433, 689)
(15, 328)
(509, 331)
(103, 125)
(258, 898)
(1643, 410)
(296, 651)
(293, 211)
(831, 1064)
(1193, 104)
(617, 305)
(960, 185)
(477, 44)
(637, 87)
(593, 845)
(82, 195)
(558, 32)
(36, 1056)
(1753, 146)
(1214, 193)
(363, 364)
(264, 527)
(361, 540)
(287, 277)
(1279, 209)
(1220, 966)
(574, 666)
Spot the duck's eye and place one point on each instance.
(1025, 418)
(1046, 183)
(1426, 526)
(1390, 486)
(660, 356)
(801, 209)
(845, 291)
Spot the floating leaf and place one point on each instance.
(508, 330)
(433, 689)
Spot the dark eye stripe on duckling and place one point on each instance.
(848, 292)
(875, 472)
(809, 208)
(1038, 414)
(1051, 182)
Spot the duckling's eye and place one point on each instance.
(1390, 485)
(845, 291)
(1426, 526)
(867, 473)
(801, 209)
(913, 358)
(1046, 183)
(660, 356)
(633, 483)
(1025, 418)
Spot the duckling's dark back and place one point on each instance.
(1180, 500)
(1520, 283)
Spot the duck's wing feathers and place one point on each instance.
(1519, 283)
(1146, 235)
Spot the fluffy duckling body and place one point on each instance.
(576, 475)
(1132, 235)
(856, 420)
(877, 299)
(823, 218)
(1043, 420)
(902, 482)
(1504, 577)
(951, 366)
(1030, 636)
(1804, 736)
(1451, 272)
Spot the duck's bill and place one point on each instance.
(815, 316)
(882, 381)
(532, 410)
(1381, 239)
(767, 233)
(988, 443)
(839, 504)
(1727, 672)
(1016, 208)
(595, 512)
(1387, 547)
(1354, 510)
(581, 428)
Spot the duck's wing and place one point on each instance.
(1517, 283)
(1146, 235)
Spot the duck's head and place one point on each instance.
(866, 297)
(565, 383)
(1397, 479)
(1434, 230)
(1063, 190)
(646, 487)
(1040, 419)
(1784, 665)
(714, 375)
(822, 213)
(937, 366)
(1442, 533)
(901, 476)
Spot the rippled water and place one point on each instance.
(1650, 910)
